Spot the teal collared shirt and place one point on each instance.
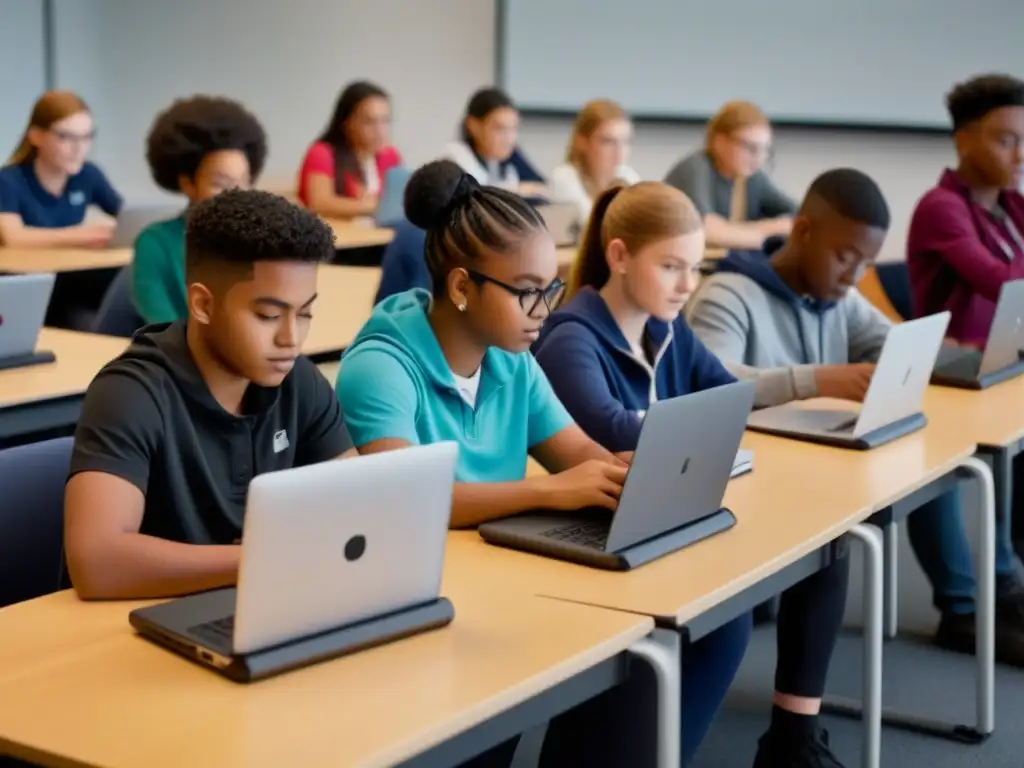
(395, 383)
(158, 272)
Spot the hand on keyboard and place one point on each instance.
(590, 484)
(845, 382)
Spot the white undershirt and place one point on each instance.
(468, 387)
(371, 176)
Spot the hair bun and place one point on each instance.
(434, 191)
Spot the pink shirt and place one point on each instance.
(320, 159)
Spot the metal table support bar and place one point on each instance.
(661, 650)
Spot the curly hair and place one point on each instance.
(247, 226)
(190, 129)
(975, 98)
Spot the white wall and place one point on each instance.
(21, 67)
(287, 61)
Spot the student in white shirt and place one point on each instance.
(596, 157)
(487, 148)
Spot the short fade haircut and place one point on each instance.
(975, 98)
(190, 129)
(853, 195)
(242, 227)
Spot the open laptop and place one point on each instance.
(391, 204)
(892, 405)
(672, 496)
(23, 303)
(336, 557)
(1002, 358)
(562, 221)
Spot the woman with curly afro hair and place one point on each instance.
(197, 147)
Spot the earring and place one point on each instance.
(462, 307)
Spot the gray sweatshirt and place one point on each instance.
(759, 328)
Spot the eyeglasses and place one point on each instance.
(66, 137)
(529, 298)
(762, 152)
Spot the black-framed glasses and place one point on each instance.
(529, 298)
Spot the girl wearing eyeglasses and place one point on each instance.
(47, 184)
(620, 343)
(726, 180)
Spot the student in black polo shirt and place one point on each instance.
(174, 429)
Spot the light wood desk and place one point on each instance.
(349, 234)
(77, 686)
(24, 260)
(47, 396)
(344, 300)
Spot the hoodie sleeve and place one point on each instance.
(573, 367)
(377, 397)
(721, 319)
(866, 326)
(404, 265)
(706, 370)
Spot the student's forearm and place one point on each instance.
(475, 503)
(776, 386)
(721, 233)
(340, 207)
(42, 237)
(134, 565)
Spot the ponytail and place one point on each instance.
(591, 266)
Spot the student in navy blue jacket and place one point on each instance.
(619, 343)
(403, 265)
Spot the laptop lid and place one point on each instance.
(682, 463)
(1006, 339)
(24, 300)
(333, 543)
(562, 221)
(902, 374)
(391, 205)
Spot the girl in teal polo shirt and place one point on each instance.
(197, 147)
(454, 364)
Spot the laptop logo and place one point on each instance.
(686, 466)
(281, 440)
(77, 197)
(907, 376)
(355, 547)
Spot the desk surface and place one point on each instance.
(344, 300)
(79, 358)
(348, 234)
(799, 497)
(992, 417)
(77, 686)
(25, 260)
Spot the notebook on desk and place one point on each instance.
(1002, 359)
(892, 405)
(24, 300)
(672, 496)
(336, 557)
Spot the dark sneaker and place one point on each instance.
(772, 752)
(956, 631)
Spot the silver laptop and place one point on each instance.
(672, 496)
(892, 405)
(336, 557)
(1002, 358)
(563, 222)
(391, 204)
(23, 303)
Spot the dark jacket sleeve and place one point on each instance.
(706, 370)
(524, 167)
(404, 265)
(570, 360)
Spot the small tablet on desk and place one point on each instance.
(23, 303)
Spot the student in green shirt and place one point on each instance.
(198, 147)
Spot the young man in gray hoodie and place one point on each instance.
(794, 320)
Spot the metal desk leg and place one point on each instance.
(661, 649)
(890, 541)
(871, 686)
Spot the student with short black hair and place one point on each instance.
(47, 185)
(619, 344)
(795, 321)
(173, 430)
(726, 180)
(455, 365)
(487, 148)
(342, 174)
(198, 147)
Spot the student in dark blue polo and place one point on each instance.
(403, 265)
(173, 430)
(619, 344)
(47, 185)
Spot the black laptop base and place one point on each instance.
(980, 382)
(22, 361)
(622, 560)
(874, 439)
(298, 653)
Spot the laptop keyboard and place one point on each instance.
(583, 534)
(218, 631)
(844, 426)
(958, 363)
